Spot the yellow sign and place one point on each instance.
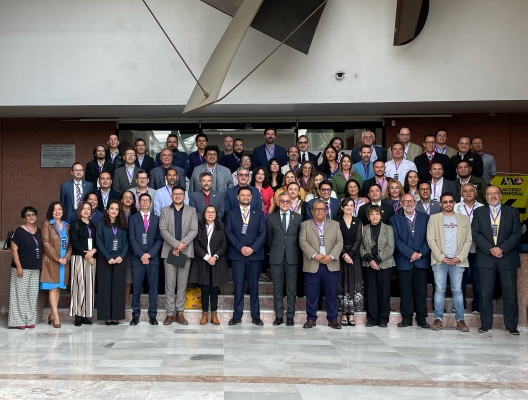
(514, 189)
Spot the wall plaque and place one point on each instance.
(57, 155)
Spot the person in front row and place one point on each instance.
(112, 244)
(377, 248)
(321, 242)
(145, 244)
(449, 237)
(209, 266)
(386, 210)
(178, 227)
(282, 237)
(245, 228)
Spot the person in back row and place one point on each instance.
(222, 179)
(179, 158)
(262, 154)
(157, 175)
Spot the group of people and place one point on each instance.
(337, 225)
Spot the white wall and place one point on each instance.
(111, 52)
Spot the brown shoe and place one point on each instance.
(180, 319)
(214, 318)
(461, 326)
(205, 318)
(309, 324)
(437, 325)
(334, 324)
(169, 319)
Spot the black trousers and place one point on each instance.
(413, 293)
(210, 294)
(139, 272)
(508, 279)
(378, 295)
(284, 274)
(111, 290)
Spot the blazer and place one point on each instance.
(135, 236)
(283, 244)
(194, 161)
(92, 171)
(230, 162)
(231, 200)
(473, 159)
(510, 231)
(150, 191)
(120, 181)
(360, 169)
(311, 157)
(255, 234)
(112, 195)
(387, 211)
(157, 177)
(260, 159)
(413, 152)
(222, 179)
(147, 165)
(436, 238)
(179, 159)
(335, 206)
(51, 254)
(447, 187)
(104, 238)
(381, 153)
(406, 244)
(434, 207)
(423, 165)
(309, 244)
(480, 186)
(217, 199)
(189, 230)
(67, 198)
(385, 246)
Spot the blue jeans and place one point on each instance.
(440, 277)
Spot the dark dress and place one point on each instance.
(350, 290)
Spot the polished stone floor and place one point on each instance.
(248, 362)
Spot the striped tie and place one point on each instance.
(78, 195)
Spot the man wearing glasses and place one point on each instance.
(124, 177)
(142, 187)
(231, 196)
(232, 160)
(304, 154)
(429, 157)
(426, 205)
(449, 238)
(73, 191)
(325, 191)
(222, 179)
(410, 150)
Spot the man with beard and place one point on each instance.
(157, 175)
(163, 196)
(232, 160)
(262, 154)
(293, 161)
(410, 150)
(179, 158)
(441, 146)
(231, 195)
(364, 167)
(377, 179)
(465, 153)
(376, 152)
(304, 154)
(97, 165)
(465, 176)
(197, 158)
(207, 197)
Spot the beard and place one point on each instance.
(238, 154)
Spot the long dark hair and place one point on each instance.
(300, 170)
(49, 213)
(406, 187)
(120, 221)
(352, 180)
(280, 176)
(265, 182)
(133, 208)
(347, 200)
(217, 223)
(324, 167)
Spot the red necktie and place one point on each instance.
(145, 222)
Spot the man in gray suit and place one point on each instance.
(142, 187)
(157, 175)
(426, 205)
(222, 179)
(282, 237)
(207, 197)
(178, 227)
(125, 177)
(440, 185)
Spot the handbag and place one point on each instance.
(7, 243)
(193, 298)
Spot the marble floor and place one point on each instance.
(249, 362)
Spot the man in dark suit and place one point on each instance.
(425, 204)
(379, 178)
(374, 195)
(429, 157)
(245, 229)
(232, 160)
(231, 195)
(497, 231)
(440, 184)
(125, 177)
(465, 176)
(113, 155)
(325, 191)
(97, 165)
(145, 242)
(106, 193)
(73, 191)
(157, 175)
(207, 197)
(377, 152)
(179, 158)
(143, 160)
(304, 154)
(197, 157)
(263, 153)
(282, 238)
(412, 261)
(465, 153)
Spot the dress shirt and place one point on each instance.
(436, 189)
(464, 209)
(392, 169)
(162, 198)
(287, 217)
(209, 228)
(248, 208)
(75, 185)
(373, 154)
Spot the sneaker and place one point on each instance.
(263, 278)
(461, 326)
(437, 325)
(513, 332)
(483, 330)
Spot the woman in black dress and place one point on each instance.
(350, 290)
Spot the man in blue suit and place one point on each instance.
(364, 167)
(231, 196)
(106, 193)
(262, 154)
(73, 191)
(412, 261)
(145, 243)
(207, 197)
(325, 190)
(245, 229)
(197, 158)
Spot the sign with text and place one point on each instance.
(514, 189)
(57, 155)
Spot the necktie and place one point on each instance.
(303, 157)
(78, 193)
(496, 222)
(100, 168)
(145, 222)
(328, 209)
(430, 157)
(245, 215)
(284, 221)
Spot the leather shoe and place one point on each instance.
(169, 319)
(180, 319)
(78, 321)
(257, 321)
(334, 324)
(383, 325)
(483, 330)
(278, 321)
(309, 324)
(370, 324)
(424, 325)
(153, 321)
(404, 324)
(289, 322)
(235, 321)
(86, 321)
(513, 332)
(135, 321)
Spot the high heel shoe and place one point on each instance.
(49, 319)
(52, 322)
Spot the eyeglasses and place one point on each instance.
(285, 201)
(243, 175)
(448, 201)
(307, 167)
(30, 215)
(325, 190)
(178, 194)
(408, 201)
(319, 209)
(246, 160)
(430, 142)
(144, 201)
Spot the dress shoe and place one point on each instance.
(180, 319)
(86, 321)
(278, 321)
(135, 321)
(205, 318)
(169, 319)
(78, 321)
(115, 322)
(461, 326)
(153, 321)
(108, 323)
(404, 324)
(370, 324)
(383, 325)
(309, 324)
(214, 318)
(513, 332)
(30, 326)
(289, 322)
(235, 321)
(437, 325)
(483, 330)
(334, 324)
(257, 321)
(424, 325)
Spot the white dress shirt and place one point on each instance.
(399, 170)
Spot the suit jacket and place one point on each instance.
(381, 152)
(385, 246)
(436, 238)
(194, 161)
(413, 152)
(118, 159)
(150, 191)
(222, 179)
(147, 165)
(387, 211)
(473, 159)
(447, 187)
(230, 162)
(255, 234)
(157, 177)
(51, 254)
(309, 243)
(92, 171)
(360, 169)
(179, 159)
(189, 230)
(480, 186)
(120, 181)
(406, 243)
(335, 206)
(449, 152)
(135, 236)
(217, 199)
(311, 157)
(434, 208)
(231, 200)
(112, 195)
(260, 159)
(423, 165)
(67, 197)
(283, 244)
(510, 231)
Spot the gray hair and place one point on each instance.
(319, 201)
(240, 169)
(363, 134)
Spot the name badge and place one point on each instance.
(495, 229)
(115, 244)
(321, 240)
(244, 229)
(37, 253)
(90, 243)
(396, 176)
(63, 243)
(144, 238)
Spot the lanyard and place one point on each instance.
(382, 185)
(366, 168)
(320, 228)
(209, 229)
(428, 208)
(344, 177)
(61, 231)
(306, 180)
(201, 158)
(482, 155)
(397, 165)
(441, 151)
(114, 229)
(471, 212)
(33, 236)
(130, 174)
(293, 207)
(89, 231)
(412, 222)
(396, 205)
(211, 170)
(497, 216)
(105, 198)
(271, 152)
(168, 190)
(245, 217)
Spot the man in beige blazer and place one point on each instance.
(321, 242)
(449, 237)
(410, 150)
(178, 227)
